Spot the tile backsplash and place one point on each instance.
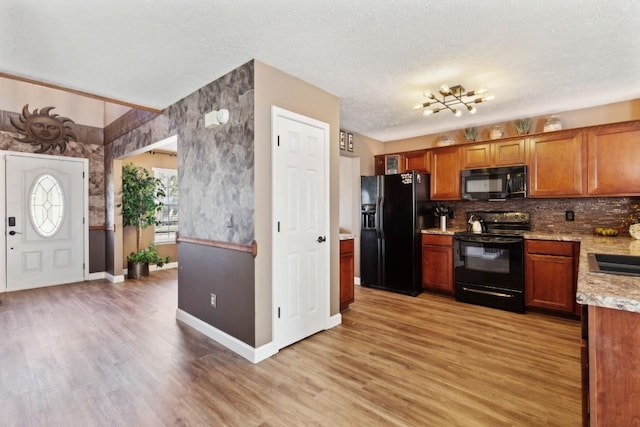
(548, 215)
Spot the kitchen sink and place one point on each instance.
(626, 265)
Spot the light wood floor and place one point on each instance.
(95, 353)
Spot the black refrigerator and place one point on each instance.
(394, 208)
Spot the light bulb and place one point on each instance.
(427, 112)
(456, 112)
(480, 91)
(444, 89)
(428, 94)
(471, 109)
(417, 107)
(487, 98)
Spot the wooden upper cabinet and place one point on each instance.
(417, 160)
(614, 160)
(507, 153)
(555, 164)
(445, 173)
(379, 164)
(492, 154)
(476, 156)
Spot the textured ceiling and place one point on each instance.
(377, 56)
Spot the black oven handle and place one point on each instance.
(488, 240)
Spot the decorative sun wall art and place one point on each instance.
(48, 131)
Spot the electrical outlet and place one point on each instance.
(213, 300)
(569, 216)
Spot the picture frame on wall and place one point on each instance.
(350, 142)
(391, 164)
(343, 140)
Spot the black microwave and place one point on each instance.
(494, 183)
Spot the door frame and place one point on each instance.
(276, 249)
(118, 235)
(3, 207)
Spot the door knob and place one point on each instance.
(13, 233)
(322, 239)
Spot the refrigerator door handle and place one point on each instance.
(380, 219)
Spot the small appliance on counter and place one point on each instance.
(475, 224)
(489, 260)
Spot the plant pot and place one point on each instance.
(136, 270)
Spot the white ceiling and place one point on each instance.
(378, 56)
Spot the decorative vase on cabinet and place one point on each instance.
(552, 123)
(496, 132)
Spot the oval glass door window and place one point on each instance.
(47, 205)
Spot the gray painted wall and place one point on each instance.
(227, 274)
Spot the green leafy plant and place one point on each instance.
(470, 134)
(141, 200)
(523, 126)
(148, 255)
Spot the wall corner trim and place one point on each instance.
(334, 321)
(253, 355)
(114, 279)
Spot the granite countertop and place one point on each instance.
(608, 290)
(449, 231)
(599, 289)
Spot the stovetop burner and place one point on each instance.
(500, 223)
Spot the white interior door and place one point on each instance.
(301, 221)
(45, 212)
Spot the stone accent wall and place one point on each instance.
(92, 150)
(548, 215)
(215, 166)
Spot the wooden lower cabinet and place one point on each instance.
(551, 275)
(437, 262)
(347, 273)
(614, 372)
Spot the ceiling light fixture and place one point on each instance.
(451, 97)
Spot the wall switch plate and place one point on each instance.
(569, 216)
(213, 300)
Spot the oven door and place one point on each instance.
(490, 260)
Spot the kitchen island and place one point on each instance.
(611, 336)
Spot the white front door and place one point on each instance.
(45, 220)
(301, 225)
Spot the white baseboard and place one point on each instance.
(334, 321)
(114, 279)
(356, 280)
(97, 276)
(253, 355)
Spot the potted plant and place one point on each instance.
(523, 126)
(141, 200)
